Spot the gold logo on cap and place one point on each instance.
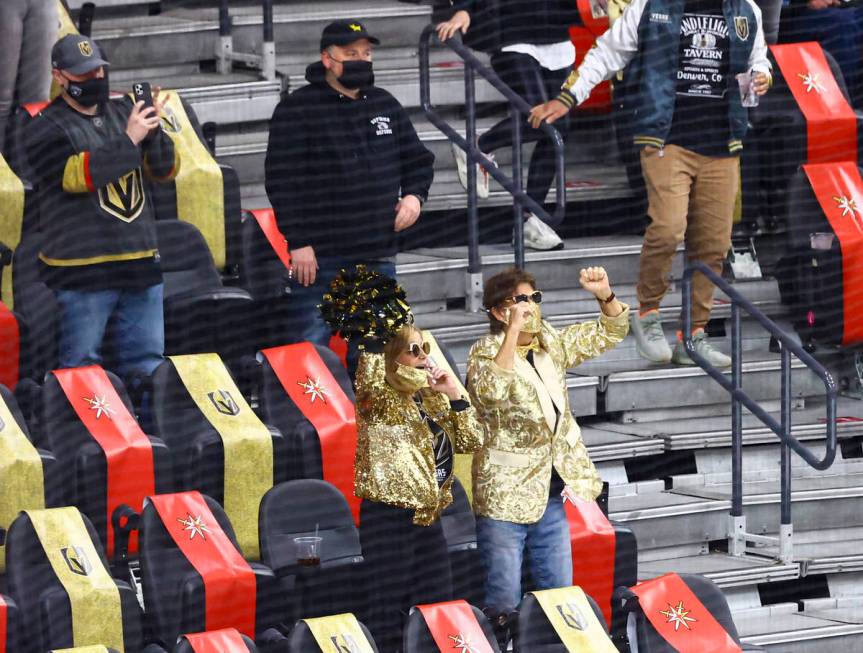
(355, 27)
(85, 48)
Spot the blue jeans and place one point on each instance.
(138, 328)
(305, 299)
(502, 545)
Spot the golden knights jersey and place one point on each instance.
(92, 184)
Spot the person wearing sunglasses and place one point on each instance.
(533, 454)
(411, 419)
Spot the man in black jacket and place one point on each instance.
(345, 171)
(99, 252)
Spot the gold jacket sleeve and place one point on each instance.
(588, 340)
(395, 461)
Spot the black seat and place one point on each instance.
(201, 315)
(227, 640)
(165, 195)
(49, 475)
(174, 591)
(778, 144)
(301, 639)
(266, 278)
(84, 463)
(811, 273)
(197, 449)
(41, 596)
(10, 617)
(647, 640)
(38, 308)
(419, 639)
(302, 508)
(459, 529)
(535, 632)
(277, 408)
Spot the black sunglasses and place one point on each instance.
(535, 297)
(417, 350)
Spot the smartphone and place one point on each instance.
(142, 91)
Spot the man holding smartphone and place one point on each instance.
(99, 253)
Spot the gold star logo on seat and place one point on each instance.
(355, 27)
(314, 389)
(677, 616)
(812, 82)
(848, 205)
(100, 405)
(195, 526)
(462, 644)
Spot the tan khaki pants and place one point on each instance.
(690, 197)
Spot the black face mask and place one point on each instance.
(357, 74)
(90, 92)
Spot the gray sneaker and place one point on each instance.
(702, 346)
(650, 342)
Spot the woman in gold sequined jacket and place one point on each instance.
(411, 419)
(534, 452)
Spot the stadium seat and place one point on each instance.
(418, 637)
(58, 575)
(459, 529)
(779, 143)
(218, 444)
(302, 639)
(537, 633)
(16, 143)
(227, 640)
(201, 315)
(277, 407)
(672, 601)
(818, 275)
(265, 276)
(10, 620)
(30, 476)
(302, 508)
(203, 185)
(193, 575)
(108, 464)
(38, 308)
(10, 347)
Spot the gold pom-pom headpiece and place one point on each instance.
(363, 303)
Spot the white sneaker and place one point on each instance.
(538, 235)
(482, 176)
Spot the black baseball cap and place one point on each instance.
(343, 32)
(77, 54)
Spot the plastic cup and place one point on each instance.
(746, 82)
(308, 550)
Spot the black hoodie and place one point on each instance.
(336, 167)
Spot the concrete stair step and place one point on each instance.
(782, 628)
(191, 34)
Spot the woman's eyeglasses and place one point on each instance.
(535, 297)
(418, 350)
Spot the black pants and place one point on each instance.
(523, 74)
(406, 564)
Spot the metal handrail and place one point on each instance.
(225, 53)
(514, 185)
(737, 532)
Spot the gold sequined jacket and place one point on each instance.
(512, 473)
(395, 460)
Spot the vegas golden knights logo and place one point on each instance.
(85, 48)
(124, 198)
(170, 124)
(76, 560)
(224, 402)
(741, 26)
(344, 644)
(572, 616)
